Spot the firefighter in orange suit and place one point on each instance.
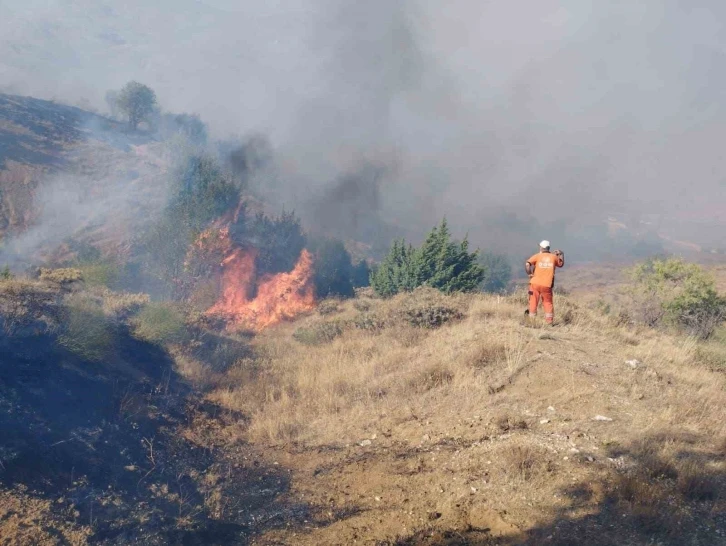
(541, 270)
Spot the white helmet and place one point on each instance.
(544, 244)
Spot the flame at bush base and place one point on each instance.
(278, 297)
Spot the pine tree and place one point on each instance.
(396, 272)
(440, 263)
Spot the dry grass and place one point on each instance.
(522, 462)
(515, 405)
(316, 377)
(486, 422)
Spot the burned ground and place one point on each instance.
(119, 447)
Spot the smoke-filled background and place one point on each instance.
(518, 120)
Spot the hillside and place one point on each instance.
(64, 170)
(424, 419)
(236, 407)
(484, 431)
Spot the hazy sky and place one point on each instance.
(549, 110)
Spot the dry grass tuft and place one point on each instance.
(362, 305)
(712, 355)
(319, 332)
(696, 484)
(488, 355)
(430, 316)
(515, 351)
(506, 423)
(62, 276)
(369, 322)
(328, 307)
(432, 378)
(524, 463)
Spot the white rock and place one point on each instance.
(365, 443)
(601, 418)
(544, 421)
(374, 436)
(550, 408)
(633, 363)
(574, 450)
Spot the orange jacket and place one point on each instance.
(544, 264)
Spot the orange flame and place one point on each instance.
(278, 297)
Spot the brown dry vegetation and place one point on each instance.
(423, 419)
(487, 430)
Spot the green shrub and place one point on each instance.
(397, 272)
(333, 268)
(278, 240)
(319, 333)
(220, 352)
(200, 193)
(497, 272)
(86, 331)
(439, 263)
(5, 274)
(673, 292)
(160, 322)
(99, 273)
(361, 275)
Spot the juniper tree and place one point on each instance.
(440, 263)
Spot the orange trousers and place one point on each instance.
(545, 294)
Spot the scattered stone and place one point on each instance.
(378, 499)
(544, 421)
(550, 408)
(473, 489)
(365, 443)
(434, 515)
(565, 458)
(426, 437)
(601, 418)
(574, 450)
(374, 436)
(590, 459)
(633, 363)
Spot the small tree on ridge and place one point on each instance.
(137, 101)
